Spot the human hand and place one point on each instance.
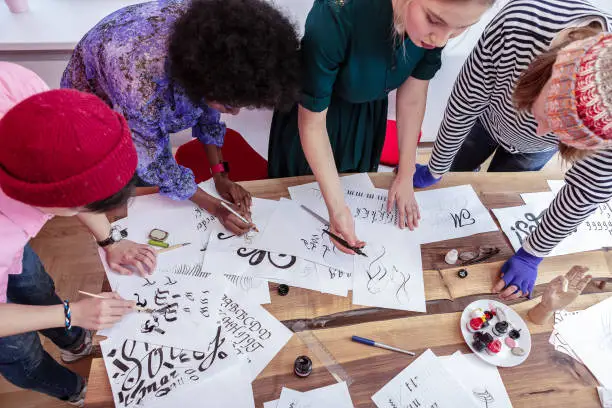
(232, 192)
(234, 224)
(518, 275)
(342, 224)
(423, 178)
(562, 290)
(401, 195)
(125, 253)
(97, 313)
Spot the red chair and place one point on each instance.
(245, 163)
(390, 152)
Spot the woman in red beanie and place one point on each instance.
(64, 153)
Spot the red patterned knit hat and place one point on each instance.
(579, 103)
(64, 148)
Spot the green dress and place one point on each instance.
(351, 61)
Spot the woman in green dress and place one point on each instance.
(354, 53)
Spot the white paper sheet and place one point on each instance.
(256, 290)
(391, 276)
(214, 392)
(175, 217)
(543, 198)
(605, 396)
(310, 194)
(271, 404)
(291, 230)
(424, 383)
(252, 330)
(559, 343)
(589, 334)
(141, 373)
(236, 259)
(183, 305)
(519, 222)
(479, 378)
(335, 395)
(223, 240)
(334, 281)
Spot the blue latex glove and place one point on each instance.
(423, 177)
(521, 271)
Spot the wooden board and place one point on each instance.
(547, 379)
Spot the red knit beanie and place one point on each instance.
(64, 148)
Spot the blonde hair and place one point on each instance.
(534, 78)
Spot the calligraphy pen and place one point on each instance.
(341, 241)
(171, 247)
(139, 308)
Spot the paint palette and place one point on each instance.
(505, 357)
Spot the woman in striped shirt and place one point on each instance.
(515, 97)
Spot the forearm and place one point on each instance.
(567, 211)
(18, 319)
(97, 224)
(205, 201)
(318, 152)
(411, 102)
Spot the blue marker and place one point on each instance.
(381, 345)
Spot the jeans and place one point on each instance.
(23, 361)
(479, 145)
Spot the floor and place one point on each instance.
(63, 245)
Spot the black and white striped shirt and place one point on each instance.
(522, 30)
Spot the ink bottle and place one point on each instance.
(302, 366)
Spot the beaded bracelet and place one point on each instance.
(67, 315)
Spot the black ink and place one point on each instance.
(161, 297)
(112, 353)
(485, 397)
(148, 283)
(222, 236)
(257, 256)
(463, 218)
(138, 302)
(170, 281)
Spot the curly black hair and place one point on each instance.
(242, 53)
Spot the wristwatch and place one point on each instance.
(116, 235)
(222, 167)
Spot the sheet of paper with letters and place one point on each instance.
(519, 222)
(424, 383)
(479, 378)
(391, 276)
(175, 217)
(229, 388)
(589, 334)
(141, 373)
(559, 343)
(310, 194)
(181, 305)
(291, 230)
(335, 395)
(252, 330)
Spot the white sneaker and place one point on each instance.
(79, 400)
(70, 356)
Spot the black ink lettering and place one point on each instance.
(138, 302)
(222, 236)
(463, 218)
(170, 281)
(148, 283)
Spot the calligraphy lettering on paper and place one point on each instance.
(463, 218)
(524, 227)
(147, 371)
(247, 332)
(257, 256)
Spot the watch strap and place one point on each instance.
(110, 240)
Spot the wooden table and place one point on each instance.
(547, 379)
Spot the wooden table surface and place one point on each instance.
(547, 379)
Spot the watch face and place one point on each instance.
(116, 235)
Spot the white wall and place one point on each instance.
(41, 40)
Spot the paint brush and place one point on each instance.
(139, 308)
(171, 247)
(230, 209)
